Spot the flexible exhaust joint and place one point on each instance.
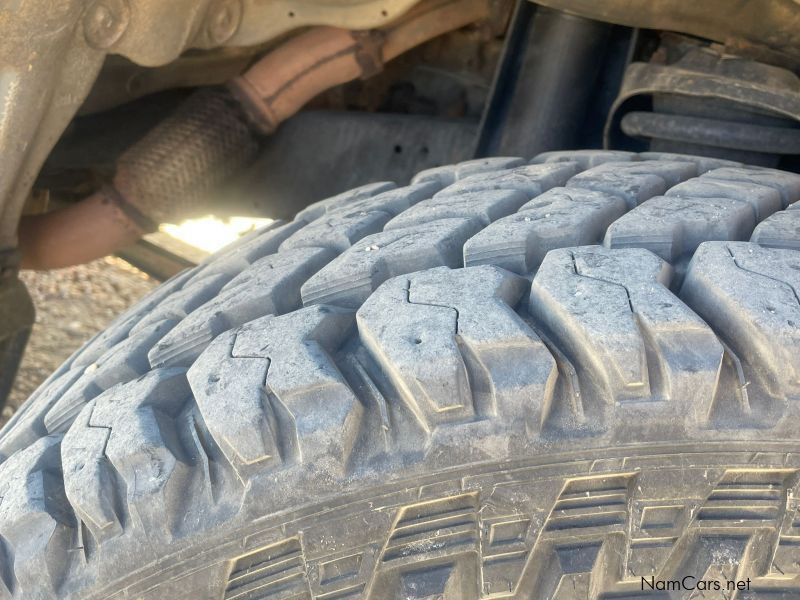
(215, 133)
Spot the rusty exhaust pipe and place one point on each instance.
(214, 134)
(94, 227)
(281, 83)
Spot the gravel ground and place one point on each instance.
(71, 306)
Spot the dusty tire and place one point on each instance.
(440, 391)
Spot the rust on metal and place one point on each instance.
(282, 82)
(271, 91)
(94, 227)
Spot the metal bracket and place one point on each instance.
(16, 320)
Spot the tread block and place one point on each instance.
(635, 182)
(431, 552)
(673, 226)
(36, 522)
(780, 230)
(485, 165)
(581, 550)
(532, 180)
(764, 200)
(585, 158)
(704, 163)
(243, 255)
(271, 285)
(125, 362)
(671, 171)
(181, 303)
(89, 479)
(746, 498)
(317, 209)
(397, 200)
(787, 184)
(444, 175)
(633, 188)
(119, 329)
(484, 207)
(449, 174)
(277, 571)
(340, 229)
(105, 341)
(128, 435)
(627, 335)
(589, 503)
(453, 519)
(230, 395)
(559, 218)
(349, 279)
(751, 294)
(30, 425)
(455, 349)
(262, 389)
(246, 238)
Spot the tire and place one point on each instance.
(544, 380)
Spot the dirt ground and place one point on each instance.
(71, 306)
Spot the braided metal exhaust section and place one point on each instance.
(170, 171)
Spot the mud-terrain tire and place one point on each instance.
(508, 379)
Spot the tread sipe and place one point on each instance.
(538, 379)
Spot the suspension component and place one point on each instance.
(693, 99)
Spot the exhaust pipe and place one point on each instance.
(215, 133)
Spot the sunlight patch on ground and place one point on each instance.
(211, 233)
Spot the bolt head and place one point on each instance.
(224, 17)
(105, 21)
